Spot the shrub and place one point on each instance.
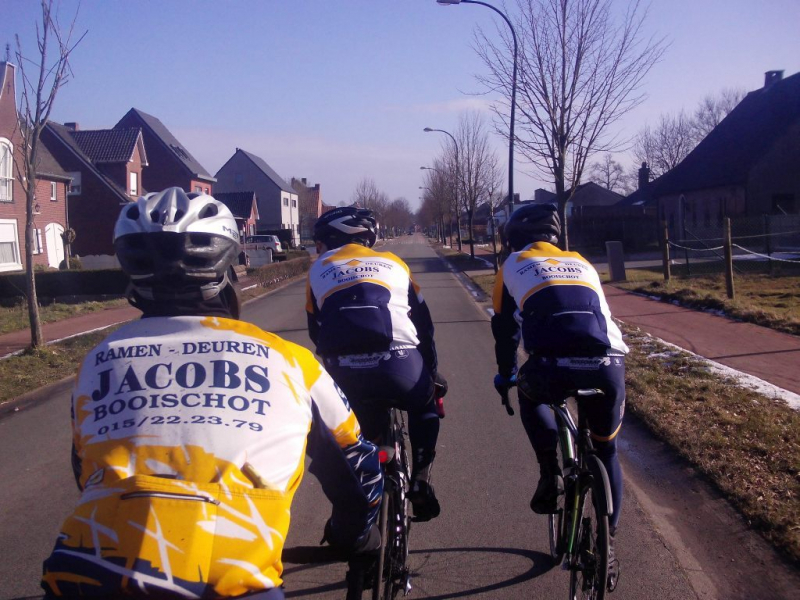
(51, 284)
(276, 272)
(74, 264)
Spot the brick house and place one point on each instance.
(170, 163)
(748, 166)
(50, 208)
(244, 207)
(277, 201)
(106, 166)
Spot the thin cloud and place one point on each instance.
(458, 105)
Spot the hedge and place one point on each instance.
(54, 284)
(276, 272)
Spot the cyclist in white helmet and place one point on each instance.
(374, 333)
(191, 428)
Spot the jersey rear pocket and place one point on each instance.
(569, 332)
(355, 321)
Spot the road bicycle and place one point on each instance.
(578, 530)
(386, 572)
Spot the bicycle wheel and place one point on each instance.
(556, 520)
(589, 570)
(383, 572)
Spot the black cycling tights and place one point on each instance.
(402, 381)
(544, 380)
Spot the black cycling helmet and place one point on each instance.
(177, 246)
(532, 223)
(346, 225)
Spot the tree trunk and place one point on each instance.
(471, 235)
(30, 276)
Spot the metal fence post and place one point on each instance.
(728, 260)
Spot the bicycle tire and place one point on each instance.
(556, 523)
(589, 571)
(380, 583)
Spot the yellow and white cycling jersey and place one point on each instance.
(189, 442)
(361, 301)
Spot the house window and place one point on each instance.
(38, 248)
(286, 202)
(53, 196)
(6, 173)
(134, 184)
(208, 191)
(294, 203)
(9, 246)
(75, 184)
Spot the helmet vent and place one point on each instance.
(179, 215)
(133, 212)
(209, 210)
(154, 216)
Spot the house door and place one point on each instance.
(55, 245)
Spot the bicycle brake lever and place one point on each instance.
(507, 402)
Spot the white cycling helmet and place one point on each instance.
(177, 245)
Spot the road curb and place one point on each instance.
(36, 396)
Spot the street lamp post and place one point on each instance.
(458, 180)
(513, 95)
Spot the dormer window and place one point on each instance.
(53, 189)
(134, 184)
(6, 172)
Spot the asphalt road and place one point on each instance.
(486, 543)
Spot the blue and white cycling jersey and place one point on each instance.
(360, 301)
(555, 300)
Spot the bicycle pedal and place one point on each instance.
(407, 586)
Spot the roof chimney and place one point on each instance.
(772, 77)
(644, 175)
(72, 126)
(305, 181)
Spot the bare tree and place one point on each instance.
(608, 173)
(713, 108)
(366, 193)
(476, 168)
(439, 196)
(41, 77)
(579, 71)
(665, 145)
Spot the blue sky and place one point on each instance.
(335, 91)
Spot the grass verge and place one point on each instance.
(15, 318)
(748, 445)
(37, 368)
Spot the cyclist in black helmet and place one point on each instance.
(374, 332)
(191, 429)
(553, 300)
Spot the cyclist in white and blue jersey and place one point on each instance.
(374, 332)
(554, 302)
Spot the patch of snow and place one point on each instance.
(743, 379)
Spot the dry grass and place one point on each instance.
(15, 318)
(747, 444)
(37, 368)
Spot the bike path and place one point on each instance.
(764, 353)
